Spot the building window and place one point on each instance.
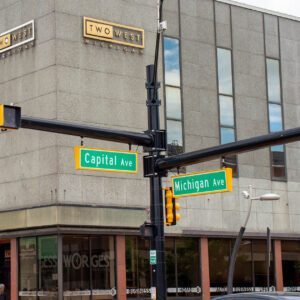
(137, 267)
(38, 267)
(182, 267)
(89, 267)
(291, 264)
(226, 104)
(173, 101)
(277, 153)
(250, 272)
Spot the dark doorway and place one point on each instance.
(5, 267)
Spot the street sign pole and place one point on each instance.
(156, 197)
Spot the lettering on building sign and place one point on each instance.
(113, 36)
(17, 39)
(78, 261)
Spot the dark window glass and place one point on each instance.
(137, 267)
(273, 80)
(260, 264)
(187, 254)
(28, 268)
(174, 136)
(171, 60)
(243, 266)
(103, 266)
(76, 271)
(218, 250)
(226, 111)
(291, 263)
(173, 106)
(47, 261)
(275, 117)
(278, 164)
(224, 71)
(170, 266)
(227, 135)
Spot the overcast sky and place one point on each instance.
(290, 7)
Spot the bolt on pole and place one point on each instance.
(156, 198)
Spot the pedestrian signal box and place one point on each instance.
(10, 117)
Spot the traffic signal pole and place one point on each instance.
(156, 198)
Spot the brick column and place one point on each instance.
(278, 266)
(121, 267)
(205, 270)
(13, 269)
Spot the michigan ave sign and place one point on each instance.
(105, 160)
(210, 182)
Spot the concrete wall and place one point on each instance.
(63, 77)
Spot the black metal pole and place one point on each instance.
(89, 131)
(233, 259)
(156, 204)
(258, 142)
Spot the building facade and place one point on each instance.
(228, 72)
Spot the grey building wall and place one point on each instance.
(63, 77)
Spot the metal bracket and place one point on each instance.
(149, 165)
(159, 140)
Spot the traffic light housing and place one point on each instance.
(171, 206)
(10, 117)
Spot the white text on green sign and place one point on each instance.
(152, 257)
(210, 182)
(105, 160)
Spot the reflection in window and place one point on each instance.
(174, 103)
(137, 267)
(171, 61)
(187, 257)
(102, 265)
(182, 267)
(28, 268)
(275, 118)
(218, 250)
(277, 153)
(224, 71)
(260, 264)
(226, 111)
(47, 262)
(273, 80)
(226, 106)
(76, 272)
(291, 264)
(173, 96)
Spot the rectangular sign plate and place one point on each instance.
(17, 36)
(113, 33)
(210, 182)
(106, 160)
(152, 257)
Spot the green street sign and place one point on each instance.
(152, 257)
(105, 160)
(210, 182)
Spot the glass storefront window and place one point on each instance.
(47, 265)
(243, 266)
(170, 266)
(260, 264)
(76, 271)
(102, 266)
(28, 268)
(137, 267)
(219, 255)
(187, 257)
(291, 264)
